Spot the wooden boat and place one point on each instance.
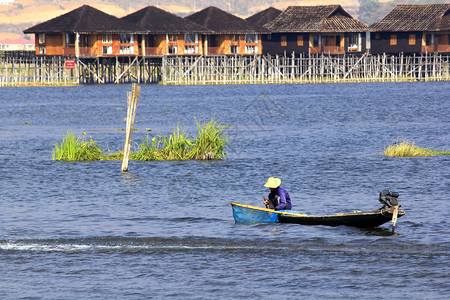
(253, 214)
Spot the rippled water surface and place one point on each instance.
(165, 229)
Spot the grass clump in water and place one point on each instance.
(409, 149)
(77, 149)
(209, 144)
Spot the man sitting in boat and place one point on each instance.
(279, 198)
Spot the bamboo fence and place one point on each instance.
(204, 70)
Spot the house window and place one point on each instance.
(41, 38)
(300, 40)
(354, 42)
(173, 49)
(234, 49)
(251, 49)
(70, 38)
(393, 40)
(125, 38)
(251, 38)
(191, 38)
(126, 50)
(235, 38)
(42, 50)
(107, 38)
(190, 49)
(107, 49)
(172, 38)
(283, 41)
(412, 39)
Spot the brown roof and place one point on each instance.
(265, 16)
(155, 20)
(320, 18)
(432, 17)
(84, 19)
(220, 21)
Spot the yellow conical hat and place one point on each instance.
(273, 182)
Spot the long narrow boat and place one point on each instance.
(253, 214)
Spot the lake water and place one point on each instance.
(165, 229)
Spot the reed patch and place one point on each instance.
(77, 149)
(409, 149)
(209, 144)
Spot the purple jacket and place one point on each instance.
(285, 199)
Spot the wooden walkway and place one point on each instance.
(201, 70)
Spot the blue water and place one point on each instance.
(165, 229)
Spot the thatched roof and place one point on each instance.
(155, 20)
(84, 19)
(320, 18)
(432, 17)
(263, 17)
(220, 21)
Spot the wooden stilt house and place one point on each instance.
(325, 29)
(231, 34)
(166, 33)
(413, 29)
(85, 31)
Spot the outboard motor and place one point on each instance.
(388, 198)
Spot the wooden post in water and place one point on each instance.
(394, 218)
(132, 101)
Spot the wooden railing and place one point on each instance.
(214, 51)
(153, 51)
(428, 49)
(333, 50)
(443, 48)
(316, 49)
(82, 51)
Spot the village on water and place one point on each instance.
(300, 44)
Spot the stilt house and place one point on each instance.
(85, 31)
(232, 35)
(413, 29)
(166, 33)
(315, 29)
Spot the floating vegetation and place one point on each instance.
(77, 149)
(209, 144)
(409, 149)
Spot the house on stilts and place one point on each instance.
(327, 29)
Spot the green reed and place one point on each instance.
(209, 144)
(76, 149)
(409, 149)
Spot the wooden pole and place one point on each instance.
(132, 101)
(394, 218)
